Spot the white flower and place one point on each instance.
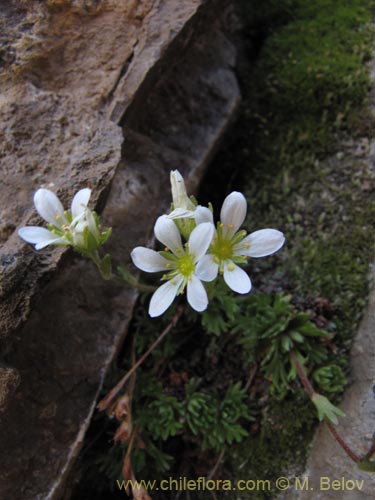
(180, 262)
(65, 227)
(183, 212)
(231, 246)
(183, 207)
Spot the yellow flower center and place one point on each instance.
(222, 248)
(185, 265)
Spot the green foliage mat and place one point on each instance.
(300, 148)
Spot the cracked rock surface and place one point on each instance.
(327, 461)
(110, 95)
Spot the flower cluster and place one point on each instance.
(196, 250)
(208, 251)
(78, 227)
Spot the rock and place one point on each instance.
(77, 77)
(9, 381)
(327, 459)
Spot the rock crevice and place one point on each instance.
(110, 95)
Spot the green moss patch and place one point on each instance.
(303, 142)
(300, 151)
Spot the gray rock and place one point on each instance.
(327, 461)
(77, 78)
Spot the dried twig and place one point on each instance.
(216, 466)
(251, 377)
(105, 402)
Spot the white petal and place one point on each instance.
(49, 206)
(263, 242)
(200, 239)
(203, 214)
(181, 213)
(233, 212)
(148, 260)
(176, 177)
(56, 241)
(179, 195)
(163, 297)
(80, 201)
(39, 236)
(79, 221)
(79, 227)
(236, 278)
(196, 294)
(167, 233)
(207, 269)
(78, 240)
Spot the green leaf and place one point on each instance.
(326, 410)
(366, 465)
(106, 267)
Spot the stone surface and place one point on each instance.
(62, 63)
(76, 78)
(326, 458)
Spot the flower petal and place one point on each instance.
(167, 233)
(196, 294)
(179, 195)
(260, 243)
(78, 240)
(181, 213)
(236, 278)
(80, 201)
(148, 260)
(233, 212)
(49, 207)
(79, 227)
(207, 269)
(164, 296)
(203, 214)
(200, 239)
(39, 236)
(79, 221)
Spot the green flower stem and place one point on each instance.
(124, 277)
(105, 402)
(95, 257)
(309, 389)
(131, 280)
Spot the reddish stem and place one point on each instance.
(251, 377)
(371, 451)
(216, 466)
(105, 402)
(310, 390)
(342, 443)
(302, 375)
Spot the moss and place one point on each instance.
(302, 141)
(305, 83)
(280, 441)
(313, 87)
(312, 80)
